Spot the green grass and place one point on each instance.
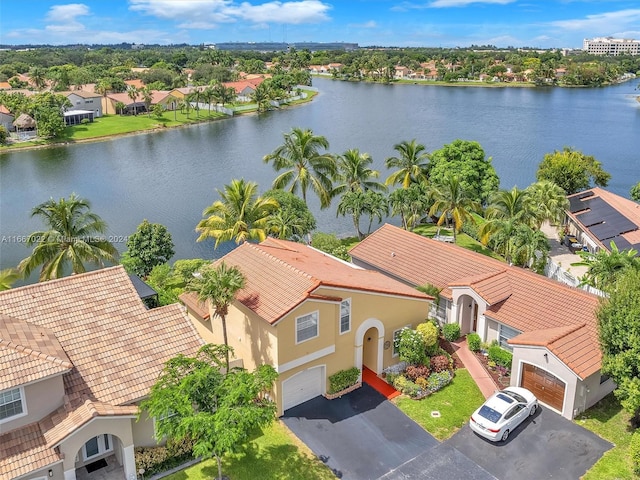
(456, 402)
(608, 420)
(274, 454)
(462, 239)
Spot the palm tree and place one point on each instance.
(218, 285)
(605, 267)
(240, 215)
(7, 277)
(262, 95)
(353, 173)
(147, 98)
(132, 93)
(452, 202)
(412, 203)
(531, 247)
(285, 225)
(353, 203)
(74, 237)
(412, 164)
(502, 238)
(208, 96)
(305, 167)
(38, 76)
(548, 201)
(511, 204)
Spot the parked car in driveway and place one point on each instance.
(503, 412)
(572, 243)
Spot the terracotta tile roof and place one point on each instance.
(190, 299)
(516, 297)
(32, 352)
(239, 87)
(24, 450)
(281, 275)
(117, 346)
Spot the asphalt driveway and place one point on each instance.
(546, 445)
(362, 436)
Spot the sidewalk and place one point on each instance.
(484, 381)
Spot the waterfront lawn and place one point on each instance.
(462, 239)
(273, 454)
(455, 402)
(608, 420)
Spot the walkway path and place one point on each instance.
(484, 381)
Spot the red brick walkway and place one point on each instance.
(476, 370)
(370, 378)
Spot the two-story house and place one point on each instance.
(310, 315)
(77, 355)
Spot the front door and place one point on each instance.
(475, 318)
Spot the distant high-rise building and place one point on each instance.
(611, 46)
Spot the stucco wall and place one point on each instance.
(492, 331)
(596, 391)
(56, 470)
(143, 431)
(41, 398)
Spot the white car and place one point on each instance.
(503, 412)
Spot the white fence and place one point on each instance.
(556, 272)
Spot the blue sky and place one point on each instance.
(412, 23)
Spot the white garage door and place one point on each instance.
(302, 386)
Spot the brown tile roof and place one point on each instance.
(32, 352)
(117, 346)
(281, 275)
(190, 299)
(24, 450)
(519, 298)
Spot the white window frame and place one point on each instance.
(348, 302)
(502, 339)
(394, 352)
(23, 404)
(101, 446)
(315, 314)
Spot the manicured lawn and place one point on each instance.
(275, 454)
(611, 422)
(456, 402)
(462, 239)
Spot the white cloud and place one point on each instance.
(369, 24)
(66, 13)
(464, 3)
(207, 12)
(602, 22)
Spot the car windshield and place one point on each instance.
(489, 413)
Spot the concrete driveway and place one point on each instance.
(544, 446)
(362, 436)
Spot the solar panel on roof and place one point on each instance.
(621, 242)
(575, 202)
(604, 231)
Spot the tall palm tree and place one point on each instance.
(353, 173)
(38, 76)
(353, 203)
(412, 164)
(452, 202)
(240, 215)
(548, 201)
(262, 95)
(132, 93)
(504, 205)
(502, 238)
(218, 285)
(531, 247)
(605, 267)
(412, 204)
(147, 98)
(305, 166)
(74, 236)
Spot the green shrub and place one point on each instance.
(500, 356)
(423, 383)
(429, 333)
(414, 372)
(406, 386)
(440, 363)
(438, 380)
(160, 459)
(451, 331)
(411, 347)
(474, 342)
(343, 379)
(634, 452)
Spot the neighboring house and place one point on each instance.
(598, 217)
(309, 315)
(6, 118)
(243, 89)
(5, 86)
(550, 328)
(77, 355)
(165, 98)
(402, 72)
(87, 101)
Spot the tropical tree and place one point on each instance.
(412, 203)
(195, 399)
(635, 192)
(7, 278)
(547, 201)
(218, 285)
(530, 247)
(149, 246)
(305, 166)
(506, 205)
(452, 203)
(412, 164)
(501, 239)
(38, 76)
(240, 215)
(132, 93)
(572, 170)
(262, 95)
(147, 98)
(353, 173)
(293, 220)
(604, 267)
(467, 159)
(618, 326)
(74, 237)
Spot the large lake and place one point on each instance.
(170, 177)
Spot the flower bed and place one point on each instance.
(500, 375)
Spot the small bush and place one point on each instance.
(500, 356)
(423, 383)
(160, 459)
(429, 333)
(343, 379)
(440, 363)
(451, 331)
(437, 381)
(414, 372)
(406, 386)
(411, 347)
(474, 342)
(396, 369)
(634, 452)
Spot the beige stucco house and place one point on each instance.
(77, 355)
(310, 315)
(550, 328)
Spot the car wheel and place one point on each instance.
(533, 410)
(505, 435)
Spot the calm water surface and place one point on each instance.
(170, 177)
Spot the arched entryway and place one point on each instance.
(369, 345)
(467, 314)
(100, 457)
